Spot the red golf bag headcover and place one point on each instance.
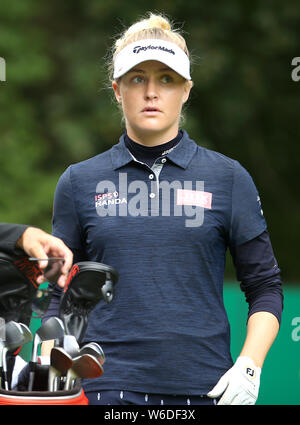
(88, 283)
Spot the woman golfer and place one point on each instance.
(162, 210)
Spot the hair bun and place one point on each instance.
(153, 21)
(157, 21)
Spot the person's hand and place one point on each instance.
(37, 243)
(240, 384)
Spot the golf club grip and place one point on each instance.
(5, 378)
(31, 375)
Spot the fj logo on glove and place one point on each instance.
(250, 372)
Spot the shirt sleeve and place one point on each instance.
(257, 270)
(9, 235)
(247, 220)
(65, 222)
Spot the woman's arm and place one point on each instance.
(262, 329)
(258, 271)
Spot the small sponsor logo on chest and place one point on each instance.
(197, 198)
(110, 198)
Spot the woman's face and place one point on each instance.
(152, 95)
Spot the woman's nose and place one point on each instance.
(151, 91)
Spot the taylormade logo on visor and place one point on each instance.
(138, 49)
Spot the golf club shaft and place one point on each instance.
(4, 370)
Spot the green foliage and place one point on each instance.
(56, 107)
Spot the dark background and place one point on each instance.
(56, 107)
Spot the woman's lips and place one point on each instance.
(151, 111)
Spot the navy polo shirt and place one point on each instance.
(166, 230)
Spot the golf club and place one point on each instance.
(14, 338)
(95, 350)
(53, 328)
(60, 363)
(2, 343)
(28, 337)
(85, 366)
(70, 345)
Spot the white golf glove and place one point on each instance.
(240, 384)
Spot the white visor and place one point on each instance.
(152, 49)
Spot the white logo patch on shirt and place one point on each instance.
(197, 198)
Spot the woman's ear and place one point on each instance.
(116, 90)
(187, 89)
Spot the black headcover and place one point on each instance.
(88, 283)
(18, 287)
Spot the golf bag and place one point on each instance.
(40, 394)
(75, 396)
(88, 283)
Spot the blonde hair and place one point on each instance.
(155, 27)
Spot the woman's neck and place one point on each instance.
(150, 138)
(149, 154)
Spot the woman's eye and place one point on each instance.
(166, 79)
(138, 79)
